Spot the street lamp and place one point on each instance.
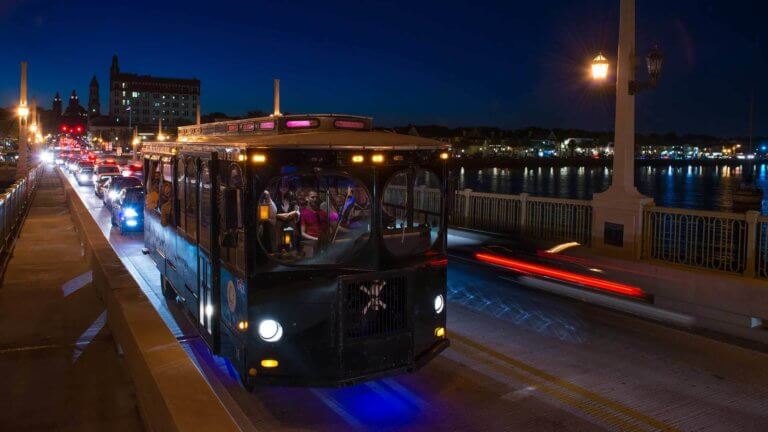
(600, 68)
(653, 61)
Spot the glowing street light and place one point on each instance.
(600, 68)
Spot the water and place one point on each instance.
(695, 187)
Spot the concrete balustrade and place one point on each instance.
(172, 393)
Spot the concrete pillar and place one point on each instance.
(197, 113)
(276, 102)
(617, 218)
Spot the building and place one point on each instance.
(94, 105)
(143, 99)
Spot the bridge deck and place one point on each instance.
(60, 366)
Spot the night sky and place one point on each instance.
(508, 63)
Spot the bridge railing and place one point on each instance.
(696, 238)
(539, 217)
(735, 243)
(14, 203)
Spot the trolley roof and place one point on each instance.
(313, 131)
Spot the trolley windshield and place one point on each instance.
(315, 218)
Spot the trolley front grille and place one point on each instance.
(374, 307)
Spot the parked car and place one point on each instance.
(115, 185)
(85, 176)
(128, 210)
(101, 181)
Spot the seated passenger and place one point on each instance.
(165, 204)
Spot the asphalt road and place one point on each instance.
(521, 360)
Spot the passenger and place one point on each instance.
(313, 219)
(267, 229)
(165, 204)
(288, 215)
(152, 197)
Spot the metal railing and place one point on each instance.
(538, 217)
(705, 239)
(14, 203)
(761, 257)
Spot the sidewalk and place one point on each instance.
(59, 362)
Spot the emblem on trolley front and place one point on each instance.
(374, 293)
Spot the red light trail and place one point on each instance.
(539, 270)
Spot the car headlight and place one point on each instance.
(130, 213)
(270, 330)
(113, 195)
(439, 303)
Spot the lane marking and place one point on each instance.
(559, 388)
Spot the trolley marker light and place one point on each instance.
(348, 124)
(294, 124)
(440, 332)
(270, 330)
(444, 156)
(242, 325)
(270, 363)
(377, 158)
(562, 275)
(130, 213)
(358, 159)
(259, 158)
(131, 222)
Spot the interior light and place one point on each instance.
(264, 212)
(358, 158)
(444, 155)
(377, 158)
(259, 158)
(242, 325)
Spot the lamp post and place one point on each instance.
(23, 112)
(618, 212)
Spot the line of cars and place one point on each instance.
(119, 187)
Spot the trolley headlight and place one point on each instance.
(113, 194)
(439, 303)
(270, 330)
(83, 177)
(130, 213)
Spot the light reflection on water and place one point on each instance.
(693, 186)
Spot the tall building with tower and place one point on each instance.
(57, 106)
(146, 100)
(94, 105)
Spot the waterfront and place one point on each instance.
(692, 186)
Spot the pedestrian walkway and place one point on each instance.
(60, 366)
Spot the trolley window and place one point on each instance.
(314, 219)
(180, 193)
(191, 190)
(411, 212)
